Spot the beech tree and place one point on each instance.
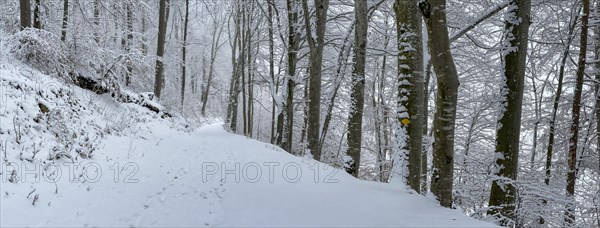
(316, 45)
(25, 15)
(410, 88)
(576, 115)
(357, 97)
(434, 12)
(159, 79)
(514, 53)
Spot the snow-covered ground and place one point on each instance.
(212, 178)
(72, 158)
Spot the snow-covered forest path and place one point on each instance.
(210, 177)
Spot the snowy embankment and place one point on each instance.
(71, 157)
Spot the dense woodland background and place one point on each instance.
(493, 106)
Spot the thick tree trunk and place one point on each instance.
(572, 157)
(25, 13)
(514, 53)
(316, 46)
(357, 97)
(65, 19)
(434, 12)
(410, 87)
(159, 79)
(292, 59)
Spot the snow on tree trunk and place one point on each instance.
(574, 130)
(410, 88)
(514, 53)
(434, 12)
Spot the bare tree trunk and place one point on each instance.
(63, 33)
(183, 51)
(559, 88)
(514, 54)
(425, 145)
(357, 97)
(232, 107)
(96, 6)
(597, 88)
(159, 79)
(434, 12)
(316, 46)
(25, 13)
(37, 17)
(216, 45)
(572, 157)
(144, 35)
(273, 84)
(129, 44)
(410, 87)
(243, 56)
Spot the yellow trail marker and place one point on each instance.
(405, 121)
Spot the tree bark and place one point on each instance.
(234, 89)
(65, 19)
(183, 51)
(574, 130)
(316, 46)
(559, 88)
(214, 49)
(159, 79)
(597, 87)
(410, 87)
(514, 54)
(129, 44)
(357, 97)
(37, 17)
(25, 13)
(434, 12)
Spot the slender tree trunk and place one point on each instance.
(426, 141)
(183, 51)
(434, 12)
(37, 17)
(381, 116)
(357, 97)
(292, 59)
(129, 43)
(144, 34)
(597, 88)
(251, 73)
(559, 88)
(316, 46)
(410, 88)
(274, 87)
(572, 157)
(514, 54)
(243, 55)
(216, 45)
(65, 19)
(231, 119)
(25, 13)
(159, 79)
(96, 6)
